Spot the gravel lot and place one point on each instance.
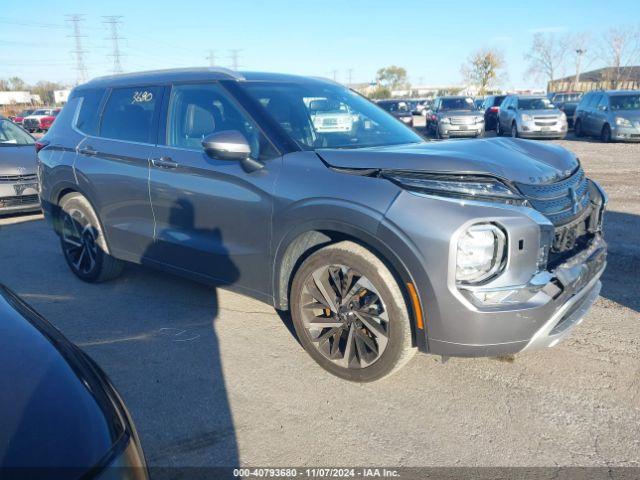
(213, 378)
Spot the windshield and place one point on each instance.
(317, 115)
(541, 103)
(625, 102)
(41, 112)
(456, 104)
(10, 134)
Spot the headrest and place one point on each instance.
(199, 121)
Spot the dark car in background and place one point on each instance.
(491, 108)
(399, 109)
(455, 116)
(61, 417)
(567, 103)
(18, 119)
(612, 115)
(18, 179)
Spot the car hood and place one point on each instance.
(510, 159)
(631, 115)
(56, 407)
(17, 160)
(541, 113)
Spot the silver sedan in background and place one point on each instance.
(18, 180)
(531, 117)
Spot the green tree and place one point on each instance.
(484, 68)
(380, 92)
(16, 83)
(45, 90)
(392, 77)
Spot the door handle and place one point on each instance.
(164, 162)
(89, 151)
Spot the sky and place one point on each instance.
(430, 39)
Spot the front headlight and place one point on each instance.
(623, 122)
(470, 187)
(480, 253)
(479, 119)
(445, 120)
(526, 118)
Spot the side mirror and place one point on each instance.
(511, 107)
(227, 145)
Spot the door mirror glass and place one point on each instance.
(227, 145)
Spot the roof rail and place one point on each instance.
(232, 74)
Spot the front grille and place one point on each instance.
(32, 177)
(546, 124)
(461, 120)
(560, 202)
(18, 201)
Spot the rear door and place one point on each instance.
(113, 167)
(589, 118)
(213, 216)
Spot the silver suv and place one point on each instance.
(610, 115)
(531, 117)
(377, 242)
(455, 116)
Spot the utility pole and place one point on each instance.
(334, 75)
(211, 57)
(349, 76)
(81, 69)
(113, 21)
(579, 53)
(234, 56)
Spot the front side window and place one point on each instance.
(541, 103)
(625, 102)
(359, 123)
(458, 103)
(11, 134)
(129, 113)
(196, 111)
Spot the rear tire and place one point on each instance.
(350, 314)
(83, 243)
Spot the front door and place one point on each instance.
(213, 217)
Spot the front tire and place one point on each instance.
(605, 134)
(514, 130)
(83, 243)
(577, 129)
(350, 314)
(498, 129)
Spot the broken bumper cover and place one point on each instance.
(558, 301)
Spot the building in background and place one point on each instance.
(609, 78)
(16, 98)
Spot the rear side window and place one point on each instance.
(129, 114)
(89, 115)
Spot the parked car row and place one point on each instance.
(40, 120)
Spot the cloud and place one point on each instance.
(549, 29)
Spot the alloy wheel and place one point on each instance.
(344, 316)
(79, 241)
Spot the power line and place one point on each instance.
(113, 21)
(211, 57)
(234, 55)
(81, 69)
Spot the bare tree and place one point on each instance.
(620, 48)
(484, 68)
(546, 56)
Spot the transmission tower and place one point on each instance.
(81, 69)
(211, 57)
(234, 56)
(113, 22)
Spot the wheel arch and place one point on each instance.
(300, 244)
